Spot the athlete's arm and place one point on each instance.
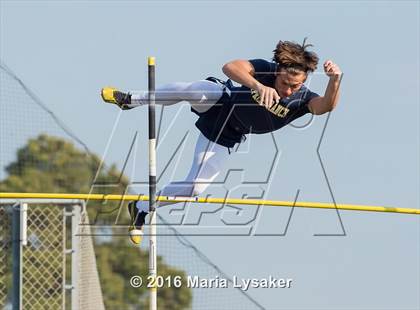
(321, 105)
(243, 72)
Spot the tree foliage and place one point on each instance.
(51, 164)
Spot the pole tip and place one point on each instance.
(151, 61)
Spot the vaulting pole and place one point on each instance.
(152, 185)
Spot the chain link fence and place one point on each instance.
(58, 268)
(89, 294)
(43, 258)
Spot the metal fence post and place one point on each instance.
(18, 240)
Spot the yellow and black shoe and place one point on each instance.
(137, 222)
(112, 95)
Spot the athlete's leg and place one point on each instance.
(201, 94)
(209, 159)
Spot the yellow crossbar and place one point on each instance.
(258, 202)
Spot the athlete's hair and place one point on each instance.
(295, 58)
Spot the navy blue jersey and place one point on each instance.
(239, 113)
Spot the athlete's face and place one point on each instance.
(287, 83)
